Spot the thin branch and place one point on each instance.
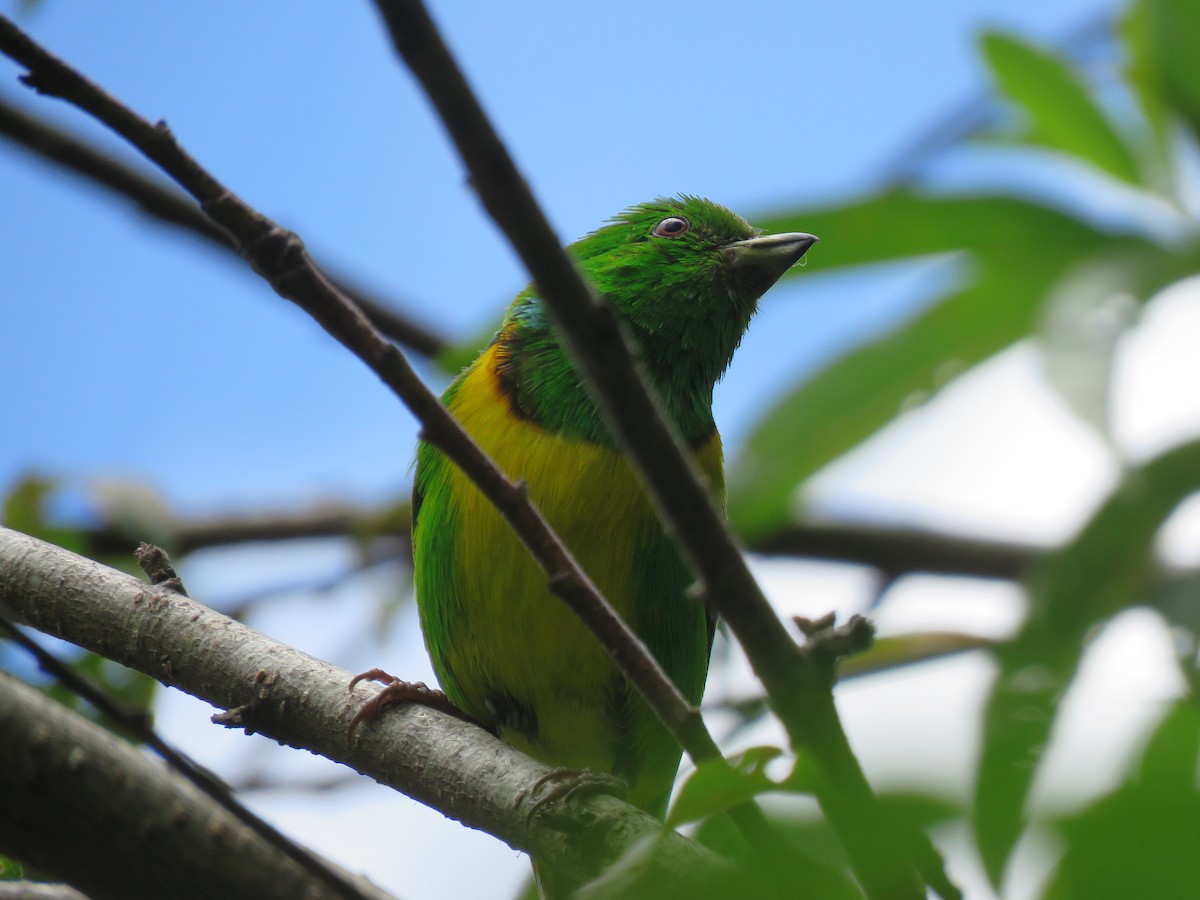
(893, 551)
(169, 206)
(239, 606)
(280, 257)
(325, 520)
(268, 781)
(800, 687)
(275, 690)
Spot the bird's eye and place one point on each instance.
(672, 227)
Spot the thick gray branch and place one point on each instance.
(301, 701)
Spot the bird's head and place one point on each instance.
(687, 274)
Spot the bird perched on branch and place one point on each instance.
(685, 275)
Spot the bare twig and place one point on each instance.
(800, 688)
(157, 566)
(173, 208)
(322, 520)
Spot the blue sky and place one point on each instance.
(141, 356)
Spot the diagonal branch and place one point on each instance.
(799, 685)
(173, 208)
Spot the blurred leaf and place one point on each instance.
(1169, 761)
(811, 861)
(714, 788)
(919, 811)
(1141, 840)
(853, 397)
(24, 502)
(1137, 33)
(10, 869)
(894, 651)
(1164, 44)
(1177, 599)
(903, 224)
(133, 690)
(637, 874)
(25, 511)
(1063, 113)
(1105, 569)
(1085, 317)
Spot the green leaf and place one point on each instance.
(1141, 840)
(637, 873)
(713, 788)
(1164, 44)
(1106, 569)
(809, 861)
(133, 690)
(1085, 317)
(1168, 763)
(1005, 243)
(10, 869)
(903, 224)
(1063, 114)
(25, 511)
(886, 654)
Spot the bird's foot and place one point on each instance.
(563, 784)
(395, 692)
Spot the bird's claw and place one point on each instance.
(396, 691)
(563, 784)
(373, 675)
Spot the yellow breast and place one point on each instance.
(513, 632)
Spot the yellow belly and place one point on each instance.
(509, 637)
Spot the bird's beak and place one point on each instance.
(771, 255)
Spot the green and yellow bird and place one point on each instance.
(685, 275)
